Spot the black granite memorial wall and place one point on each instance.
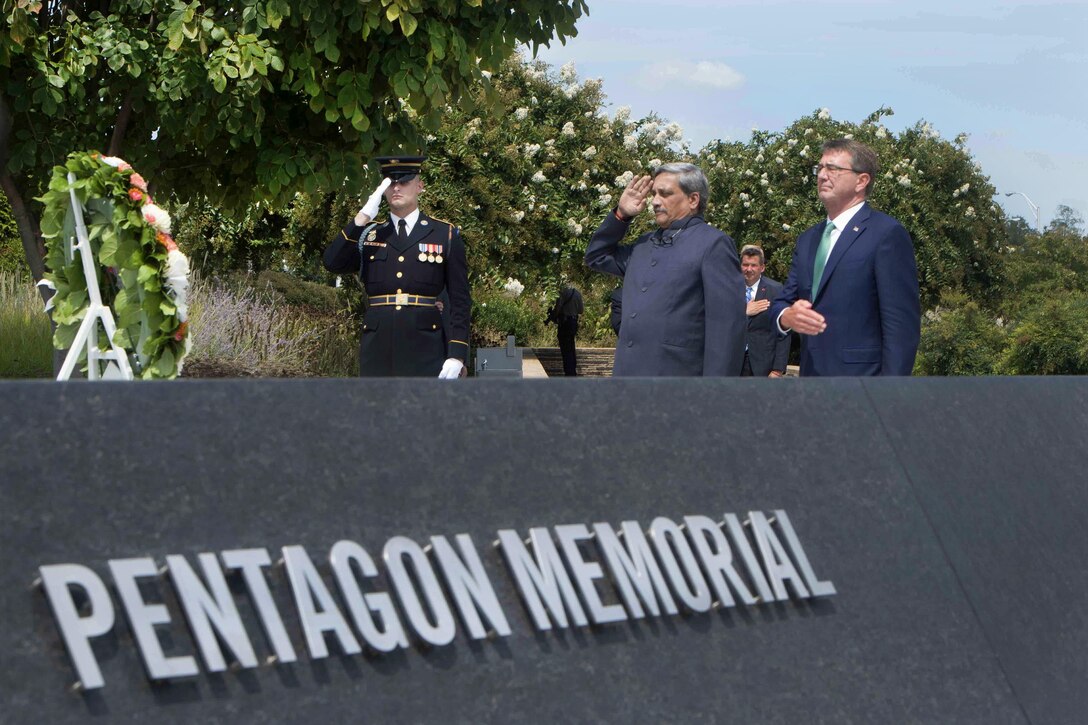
(947, 516)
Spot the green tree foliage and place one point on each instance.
(529, 188)
(960, 337)
(1038, 325)
(11, 252)
(246, 100)
(763, 192)
(1052, 337)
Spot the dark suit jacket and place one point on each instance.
(868, 294)
(413, 340)
(767, 350)
(683, 301)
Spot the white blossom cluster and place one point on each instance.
(568, 128)
(513, 288)
(625, 178)
(530, 150)
(568, 72)
(539, 177)
(521, 114)
(630, 142)
(823, 115)
(962, 190)
(590, 152)
(574, 227)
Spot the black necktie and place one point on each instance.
(402, 231)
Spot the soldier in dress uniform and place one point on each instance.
(404, 263)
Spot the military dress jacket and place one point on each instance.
(407, 337)
(683, 298)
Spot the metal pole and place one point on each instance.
(1032, 204)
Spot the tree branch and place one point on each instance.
(120, 127)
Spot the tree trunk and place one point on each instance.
(29, 227)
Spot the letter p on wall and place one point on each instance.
(77, 631)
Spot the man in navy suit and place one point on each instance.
(766, 352)
(683, 310)
(852, 291)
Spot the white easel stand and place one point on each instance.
(116, 358)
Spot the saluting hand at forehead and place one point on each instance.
(633, 200)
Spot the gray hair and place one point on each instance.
(691, 179)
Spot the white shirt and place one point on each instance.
(409, 221)
(755, 288)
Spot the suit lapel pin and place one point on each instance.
(372, 236)
(856, 229)
(423, 222)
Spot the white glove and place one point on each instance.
(451, 369)
(370, 208)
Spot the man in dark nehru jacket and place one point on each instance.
(405, 263)
(683, 293)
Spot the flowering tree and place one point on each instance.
(241, 100)
(529, 187)
(764, 193)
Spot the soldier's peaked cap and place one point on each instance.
(400, 168)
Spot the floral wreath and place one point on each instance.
(142, 276)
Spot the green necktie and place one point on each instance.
(822, 253)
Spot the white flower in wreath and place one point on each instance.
(156, 217)
(539, 177)
(177, 281)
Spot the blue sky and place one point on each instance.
(1012, 75)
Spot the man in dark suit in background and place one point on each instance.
(566, 310)
(766, 352)
(852, 291)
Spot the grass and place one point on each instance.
(26, 338)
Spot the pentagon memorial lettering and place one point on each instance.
(565, 576)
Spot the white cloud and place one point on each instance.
(702, 74)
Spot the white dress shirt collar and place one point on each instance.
(410, 220)
(843, 219)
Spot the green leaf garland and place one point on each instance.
(141, 274)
